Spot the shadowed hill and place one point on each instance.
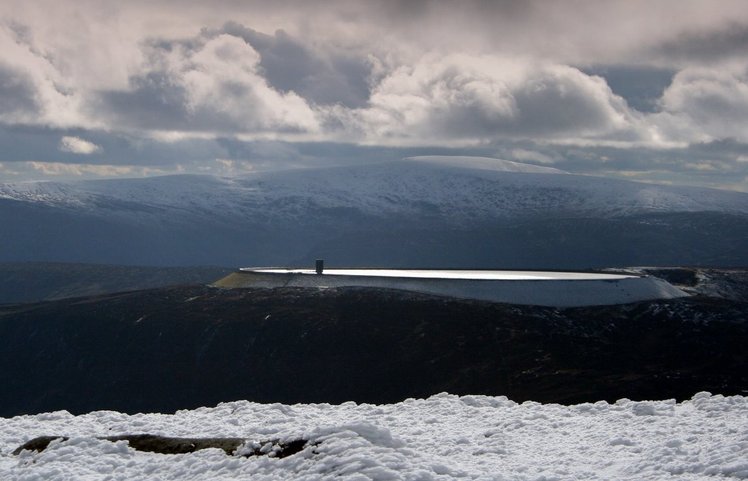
(182, 347)
(41, 281)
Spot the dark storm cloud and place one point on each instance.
(706, 46)
(17, 95)
(154, 101)
(640, 86)
(290, 65)
(479, 11)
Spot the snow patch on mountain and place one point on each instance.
(484, 163)
(443, 437)
(443, 188)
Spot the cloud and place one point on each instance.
(706, 46)
(532, 156)
(212, 85)
(456, 86)
(706, 104)
(33, 91)
(641, 86)
(76, 145)
(603, 85)
(322, 75)
(474, 99)
(17, 97)
(8, 171)
(57, 169)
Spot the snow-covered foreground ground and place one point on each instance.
(443, 437)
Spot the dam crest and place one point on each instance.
(541, 288)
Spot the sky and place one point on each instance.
(655, 91)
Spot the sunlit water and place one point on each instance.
(450, 274)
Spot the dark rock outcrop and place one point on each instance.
(167, 445)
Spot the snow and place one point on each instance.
(451, 274)
(439, 438)
(484, 163)
(457, 190)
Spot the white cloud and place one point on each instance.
(532, 156)
(62, 170)
(706, 104)
(49, 97)
(6, 170)
(76, 145)
(494, 76)
(229, 167)
(224, 78)
(462, 98)
(209, 85)
(161, 72)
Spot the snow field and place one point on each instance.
(461, 190)
(439, 438)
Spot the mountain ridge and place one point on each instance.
(379, 187)
(394, 214)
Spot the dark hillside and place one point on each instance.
(182, 347)
(42, 281)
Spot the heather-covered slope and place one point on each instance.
(40, 281)
(167, 349)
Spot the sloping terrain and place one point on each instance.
(173, 348)
(441, 438)
(730, 284)
(43, 281)
(422, 212)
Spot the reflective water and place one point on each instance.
(450, 274)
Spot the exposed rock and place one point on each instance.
(166, 445)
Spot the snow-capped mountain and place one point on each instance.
(453, 186)
(270, 212)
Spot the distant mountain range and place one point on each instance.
(418, 212)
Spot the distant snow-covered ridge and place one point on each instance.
(440, 438)
(456, 190)
(484, 163)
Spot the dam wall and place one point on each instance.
(541, 289)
